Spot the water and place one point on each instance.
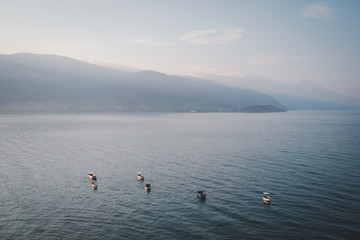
(309, 161)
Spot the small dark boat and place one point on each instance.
(92, 176)
(140, 176)
(201, 194)
(266, 197)
(147, 187)
(94, 185)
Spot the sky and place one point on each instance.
(280, 40)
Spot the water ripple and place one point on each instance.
(308, 162)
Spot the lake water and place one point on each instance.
(308, 161)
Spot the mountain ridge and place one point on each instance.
(43, 83)
(300, 95)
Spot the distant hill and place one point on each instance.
(301, 95)
(50, 83)
(261, 109)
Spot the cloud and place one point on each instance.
(319, 10)
(278, 59)
(213, 36)
(301, 59)
(267, 60)
(151, 42)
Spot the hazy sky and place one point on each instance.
(316, 41)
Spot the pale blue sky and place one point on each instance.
(316, 41)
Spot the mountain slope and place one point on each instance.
(301, 95)
(31, 82)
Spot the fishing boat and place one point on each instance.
(266, 197)
(201, 194)
(94, 185)
(147, 187)
(140, 176)
(92, 176)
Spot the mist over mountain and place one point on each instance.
(50, 83)
(301, 95)
(121, 67)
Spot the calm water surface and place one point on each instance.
(309, 161)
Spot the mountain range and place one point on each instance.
(51, 83)
(300, 95)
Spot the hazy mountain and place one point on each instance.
(114, 65)
(301, 95)
(38, 63)
(31, 82)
